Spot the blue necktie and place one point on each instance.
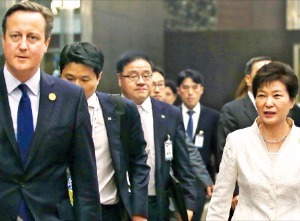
(189, 128)
(25, 123)
(24, 138)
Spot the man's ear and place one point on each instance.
(248, 80)
(178, 91)
(119, 79)
(99, 77)
(47, 42)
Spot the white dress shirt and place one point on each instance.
(145, 110)
(105, 170)
(269, 186)
(252, 98)
(15, 94)
(195, 116)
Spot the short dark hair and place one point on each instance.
(276, 71)
(82, 53)
(159, 70)
(252, 61)
(190, 73)
(29, 6)
(171, 84)
(130, 56)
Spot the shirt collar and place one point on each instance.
(196, 109)
(252, 98)
(146, 105)
(12, 83)
(92, 101)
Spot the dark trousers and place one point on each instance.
(200, 202)
(111, 212)
(154, 211)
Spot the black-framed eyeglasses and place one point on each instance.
(136, 77)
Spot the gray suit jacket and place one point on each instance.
(198, 166)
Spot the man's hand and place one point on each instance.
(190, 214)
(209, 191)
(234, 202)
(138, 218)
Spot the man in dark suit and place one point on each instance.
(201, 126)
(164, 133)
(198, 166)
(240, 113)
(117, 134)
(44, 129)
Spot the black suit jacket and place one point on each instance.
(236, 114)
(167, 120)
(62, 139)
(295, 115)
(208, 123)
(127, 149)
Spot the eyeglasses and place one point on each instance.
(160, 85)
(136, 77)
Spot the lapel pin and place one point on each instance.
(109, 118)
(163, 116)
(52, 97)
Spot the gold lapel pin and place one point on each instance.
(52, 97)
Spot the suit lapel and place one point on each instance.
(159, 128)
(46, 107)
(249, 109)
(202, 119)
(5, 115)
(113, 128)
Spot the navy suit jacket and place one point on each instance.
(62, 139)
(167, 120)
(127, 149)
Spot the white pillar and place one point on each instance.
(66, 26)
